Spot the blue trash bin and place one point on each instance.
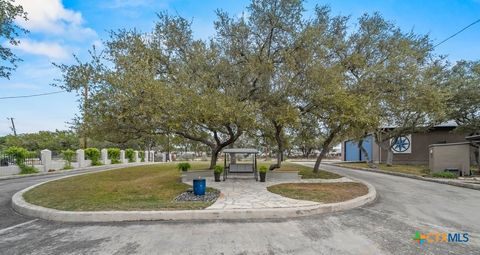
(199, 186)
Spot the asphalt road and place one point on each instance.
(387, 226)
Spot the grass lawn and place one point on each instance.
(307, 172)
(320, 192)
(151, 187)
(408, 169)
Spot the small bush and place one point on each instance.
(19, 153)
(218, 169)
(142, 156)
(184, 166)
(447, 175)
(27, 169)
(130, 155)
(68, 157)
(262, 169)
(94, 155)
(114, 155)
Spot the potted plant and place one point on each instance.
(263, 173)
(217, 171)
(184, 166)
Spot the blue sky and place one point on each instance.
(59, 29)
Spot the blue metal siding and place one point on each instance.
(353, 152)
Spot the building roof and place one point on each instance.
(473, 138)
(241, 150)
(447, 124)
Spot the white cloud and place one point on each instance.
(51, 17)
(52, 50)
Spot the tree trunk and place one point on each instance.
(279, 140)
(389, 161)
(388, 148)
(267, 153)
(216, 146)
(365, 152)
(213, 159)
(325, 147)
(319, 159)
(389, 157)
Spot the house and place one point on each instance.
(410, 149)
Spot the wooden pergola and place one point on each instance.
(230, 167)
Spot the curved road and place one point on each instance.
(387, 226)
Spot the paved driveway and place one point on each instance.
(385, 227)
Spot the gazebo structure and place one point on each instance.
(231, 165)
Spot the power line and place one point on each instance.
(34, 95)
(463, 29)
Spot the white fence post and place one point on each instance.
(104, 156)
(135, 157)
(46, 157)
(146, 156)
(152, 156)
(122, 157)
(81, 158)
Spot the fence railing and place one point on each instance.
(6, 160)
(9, 160)
(34, 159)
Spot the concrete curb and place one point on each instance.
(25, 208)
(411, 176)
(100, 168)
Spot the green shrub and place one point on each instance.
(94, 155)
(262, 169)
(27, 169)
(142, 156)
(184, 166)
(218, 169)
(68, 156)
(447, 175)
(114, 155)
(20, 154)
(130, 155)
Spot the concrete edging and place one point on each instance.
(411, 176)
(25, 208)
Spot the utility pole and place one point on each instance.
(13, 126)
(85, 108)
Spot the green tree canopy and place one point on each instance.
(464, 101)
(9, 32)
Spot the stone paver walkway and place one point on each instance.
(246, 193)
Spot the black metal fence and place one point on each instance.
(8, 160)
(33, 159)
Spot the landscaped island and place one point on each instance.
(158, 187)
(151, 187)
